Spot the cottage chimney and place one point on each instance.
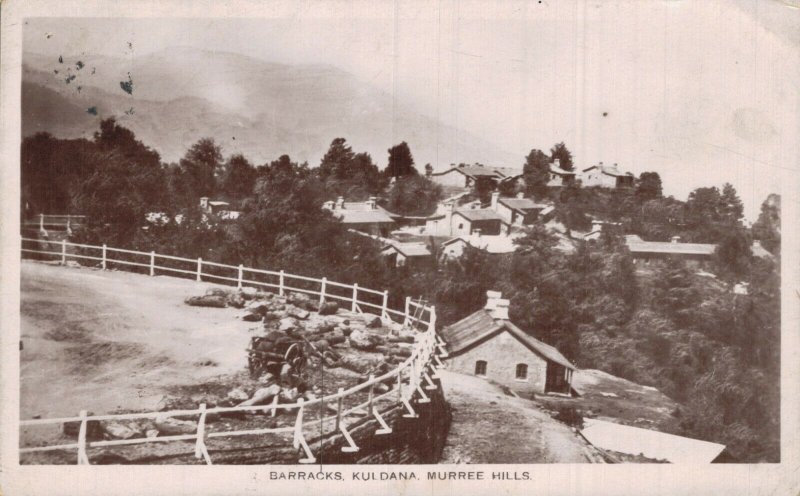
(372, 202)
(557, 163)
(495, 198)
(204, 203)
(491, 299)
(676, 239)
(756, 243)
(597, 225)
(520, 195)
(339, 203)
(449, 208)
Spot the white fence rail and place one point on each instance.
(411, 378)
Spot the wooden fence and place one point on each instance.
(412, 377)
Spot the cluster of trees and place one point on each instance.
(714, 352)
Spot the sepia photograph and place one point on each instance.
(449, 234)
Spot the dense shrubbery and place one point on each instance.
(715, 352)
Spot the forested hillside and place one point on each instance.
(666, 325)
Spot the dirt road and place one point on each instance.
(491, 427)
(105, 340)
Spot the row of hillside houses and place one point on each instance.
(600, 175)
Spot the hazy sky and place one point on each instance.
(702, 92)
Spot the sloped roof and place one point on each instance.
(477, 214)
(410, 249)
(482, 171)
(521, 204)
(670, 248)
(491, 244)
(480, 325)
(560, 171)
(609, 170)
(652, 444)
(363, 216)
(218, 203)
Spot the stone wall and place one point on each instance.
(502, 354)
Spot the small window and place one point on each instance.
(522, 372)
(480, 367)
(461, 226)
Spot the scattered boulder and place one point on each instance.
(238, 395)
(262, 396)
(117, 430)
(360, 364)
(301, 300)
(217, 292)
(206, 301)
(328, 308)
(364, 341)
(275, 315)
(373, 321)
(248, 293)
(151, 433)
(287, 324)
(172, 426)
(345, 330)
(298, 313)
(335, 339)
(251, 317)
(236, 300)
(290, 394)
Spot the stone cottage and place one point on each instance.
(487, 344)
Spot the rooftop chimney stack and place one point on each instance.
(491, 299)
(204, 203)
(495, 198)
(339, 203)
(557, 163)
(676, 239)
(372, 202)
(521, 195)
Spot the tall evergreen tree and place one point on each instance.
(564, 156)
(401, 162)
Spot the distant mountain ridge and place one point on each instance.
(249, 106)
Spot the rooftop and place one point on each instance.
(636, 245)
(521, 204)
(473, 215)
(480, 326)
(410, 249)
(609, 170)
(483, 170)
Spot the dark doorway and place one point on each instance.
(557, 379)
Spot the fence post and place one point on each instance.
(104, 256)
(355, 297)
(407, 312)
(152, 263)
(82, 458)
(280, 284)
(41, 222)
(384, 312)
(298, 425)
(199, 268)
(339, 409)
(322, 290)
(239, 283)
(63, 252)
(200, 450)
(371, 393)
(69, 226)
